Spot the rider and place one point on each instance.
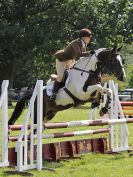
(66, 57)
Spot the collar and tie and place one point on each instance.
(83, 45)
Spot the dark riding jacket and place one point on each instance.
(74, 50)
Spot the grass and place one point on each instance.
(88, 165)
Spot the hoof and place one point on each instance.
(103, 111)
(95, 104)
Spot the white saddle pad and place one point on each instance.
(49, 87)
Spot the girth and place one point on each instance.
(78, 101)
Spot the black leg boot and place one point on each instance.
(56, 87)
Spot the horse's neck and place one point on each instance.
(103, 54)
(87, 63)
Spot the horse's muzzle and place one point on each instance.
(121, 77)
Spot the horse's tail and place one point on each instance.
(19, 108)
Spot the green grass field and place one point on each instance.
(88, 165)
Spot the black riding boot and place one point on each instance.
(56, 87)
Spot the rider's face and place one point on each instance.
(87, 40)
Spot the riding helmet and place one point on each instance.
(85, 33)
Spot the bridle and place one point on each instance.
(110, 62)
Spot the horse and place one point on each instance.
(82, 85)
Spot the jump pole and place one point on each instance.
(127, 108)
(66, 134)
(127, 103)
(76, 133)
(98, 122)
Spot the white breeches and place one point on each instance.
(61, 66)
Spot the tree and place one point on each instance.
(32, 31)
(20, 34)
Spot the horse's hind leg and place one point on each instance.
(49, 116)
(12, 120)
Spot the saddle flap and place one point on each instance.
(53, 78)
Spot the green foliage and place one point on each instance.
(131, 80)
(130, 77)
(32, 31)
(128, 56)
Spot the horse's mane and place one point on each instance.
(100, 50)
(84, 59)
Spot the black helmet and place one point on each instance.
(85, 33)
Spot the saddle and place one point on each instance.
(53, 77)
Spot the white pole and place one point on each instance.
(20, 166)
(123, 128)
(111, 134)
(5, 123)
(39, 123)
(32, 136)
(116, 109)
(119, 105)
(22, 163)
(25, 144)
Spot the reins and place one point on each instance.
(86, 65)
(97, 71)
(78, 69)
(82, 70)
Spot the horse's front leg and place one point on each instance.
(100, 91)
(96, 101)
(95, 95)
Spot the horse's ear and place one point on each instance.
(118, 50)
(115, 47)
